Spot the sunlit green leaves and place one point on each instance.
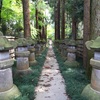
(11, 10)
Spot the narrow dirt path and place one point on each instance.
(51, 84)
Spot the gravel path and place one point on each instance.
(51, 85)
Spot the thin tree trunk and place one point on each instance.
(45, 32)
(0, 9)
(86, 36)
(58, 7)
(56, 27)
(26, 18)
(36, 16)
(74, 28)
(63, 20)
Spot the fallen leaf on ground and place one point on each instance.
(45, 75)
(47, 67)
(41, 80)
(50, 79)
(46, 85)
(47, 97)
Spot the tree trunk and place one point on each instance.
(63, 20)
(36, 16)
(26, 17)
(58, 17)
(0, 9)
(74, 28)
(56, 21)
(40, 32)
(45, 29)
(86, 37)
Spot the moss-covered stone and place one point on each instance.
(13, 43)
(71, 63)
(30, 41)
(22, 53)
(95, 63)
(90, 93)
(4, 44)
(6, 63)
(94, 44)
(22, 42)
(1, 34)
(72, 42)
(11, 94)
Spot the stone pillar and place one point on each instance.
(22, 57)
(92, 91)
(8, 91)
(32, 60)
(71, 55)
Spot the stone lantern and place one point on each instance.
(8, 91)
(71, 54)
(92, 91)
(22, 57)
(31, 48)
(38, 48)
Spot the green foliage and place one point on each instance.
(75, 8)
(50, 32)
(27, 83)
(75, 78)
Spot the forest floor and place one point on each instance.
(51, 85)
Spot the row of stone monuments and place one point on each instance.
(68, 49)
(91, 91)
(25, 57)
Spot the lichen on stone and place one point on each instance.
(4, 43)
(13, 43)
(90, 93)
(72, 42)
(30, 41)
(94, 44)
(71, 64)
(1, 34)
(21, 42)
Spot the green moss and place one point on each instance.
(4, 43)
(22, 42)
(13, 43)
(71, 63)
(95, 44)
(1, 34)
(30, 41)
(72, 42)
(90, 94)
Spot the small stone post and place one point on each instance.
(92, 91)
(71, 54)
(8, 91)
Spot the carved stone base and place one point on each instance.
(32, 62)
(90, 94)
(11, 94)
